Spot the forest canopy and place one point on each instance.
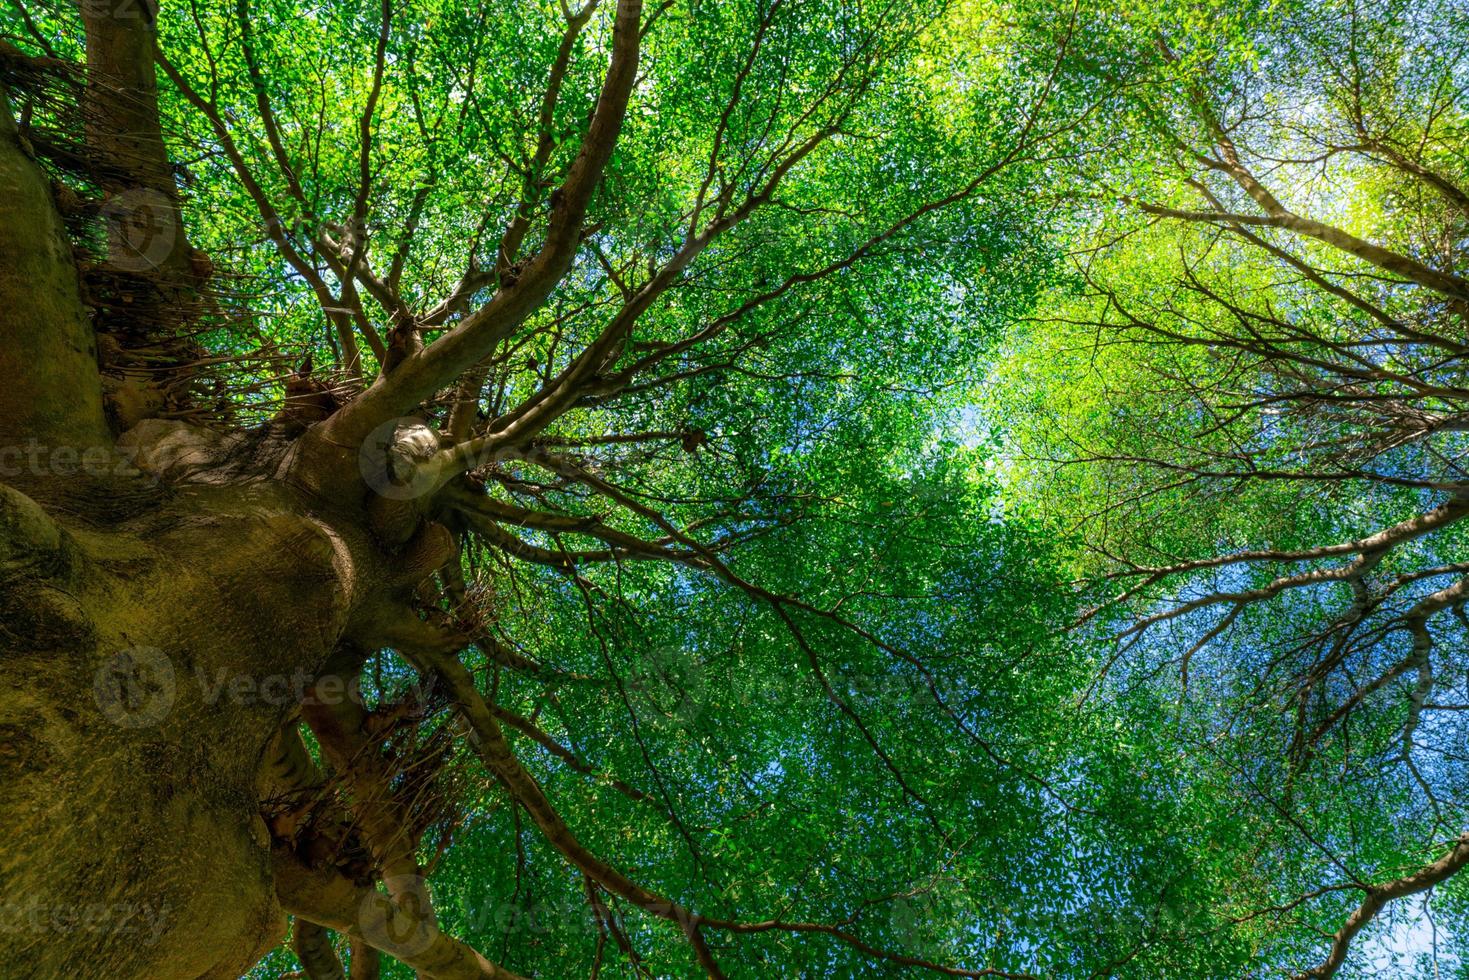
(791, 488)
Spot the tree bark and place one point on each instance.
(145, 225)
(53, 395)
(157, 619)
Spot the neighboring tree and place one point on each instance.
(1253, 415)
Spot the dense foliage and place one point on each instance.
(951, 464)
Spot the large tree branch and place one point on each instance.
(329, 899)
(1445, 283)
(123, 129)
(312, 945)
(1379, 895)
(342, 728)
(441, 362)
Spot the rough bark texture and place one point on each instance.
(120, 753)
(49, 356)
(162, 601)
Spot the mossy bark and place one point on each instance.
(158, 616)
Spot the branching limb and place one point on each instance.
(312, 945)
(342, 728)
(489, 741)
(1379, 895)
(443, 361)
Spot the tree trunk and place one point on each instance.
(163, 604)
(49, 357)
